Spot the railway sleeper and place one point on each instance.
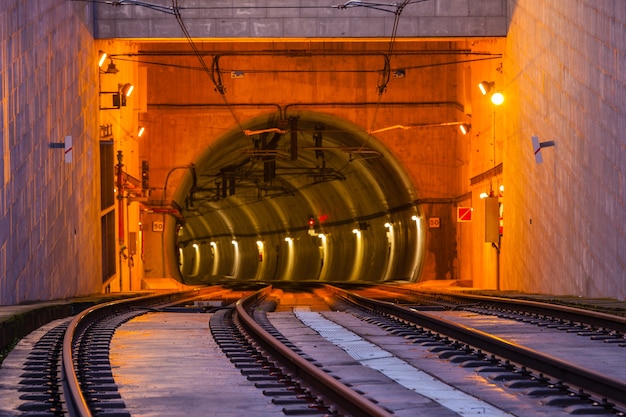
(510, 376)
(257, 368)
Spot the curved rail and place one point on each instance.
(75, 400)
(328, 386)
(588, 380)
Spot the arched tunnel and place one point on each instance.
(309, 197)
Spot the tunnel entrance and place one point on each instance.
(298, 196)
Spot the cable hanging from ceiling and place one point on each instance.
(386, 74)
(219, 87)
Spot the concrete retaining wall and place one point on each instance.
(565, 77)
(49, 209)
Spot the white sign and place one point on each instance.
(68, 149)
(157, 226)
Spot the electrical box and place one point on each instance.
(492, 220)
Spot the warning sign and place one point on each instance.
(464, 214)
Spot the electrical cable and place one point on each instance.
(210, 72)
(386, 75)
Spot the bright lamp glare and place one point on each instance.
(497, 98)
(486, 86)
(483, 195)
(103, 56)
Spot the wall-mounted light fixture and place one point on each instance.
(486, 86)
(465, 128)
(119, 96)
(127, 89)
(111, 68)
(141, 131)
(103, 56)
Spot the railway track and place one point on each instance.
(291, 354)
(575, 383)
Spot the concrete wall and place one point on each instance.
(177, 134)
(565, 81)
(302, 19)
(49, 209)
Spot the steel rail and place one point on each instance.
(346, 398)
(588, 380)
(75, 400)
(572, 314)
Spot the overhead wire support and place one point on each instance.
(217, 82)
(157, 7)
(385, 7)
(386, 75)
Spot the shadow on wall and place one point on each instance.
(442, 239)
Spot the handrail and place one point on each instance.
(345, 397)
(586, 379)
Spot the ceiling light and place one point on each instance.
(465, 128)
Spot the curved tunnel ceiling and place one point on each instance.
(248, 208)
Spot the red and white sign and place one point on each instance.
(464, 214)
(68, 149)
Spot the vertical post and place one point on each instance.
(120, 197)
(120, 211)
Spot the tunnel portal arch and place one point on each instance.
(303, 197)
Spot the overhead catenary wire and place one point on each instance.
(386, 75)
(210, 72)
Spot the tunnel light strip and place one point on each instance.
(323, 255)
(418, 250)
(196, 261)
(236, 260)
(216, 258)
(370, 355)
(391, 252)
(290, 259)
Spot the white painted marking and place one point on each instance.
(370, 355)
